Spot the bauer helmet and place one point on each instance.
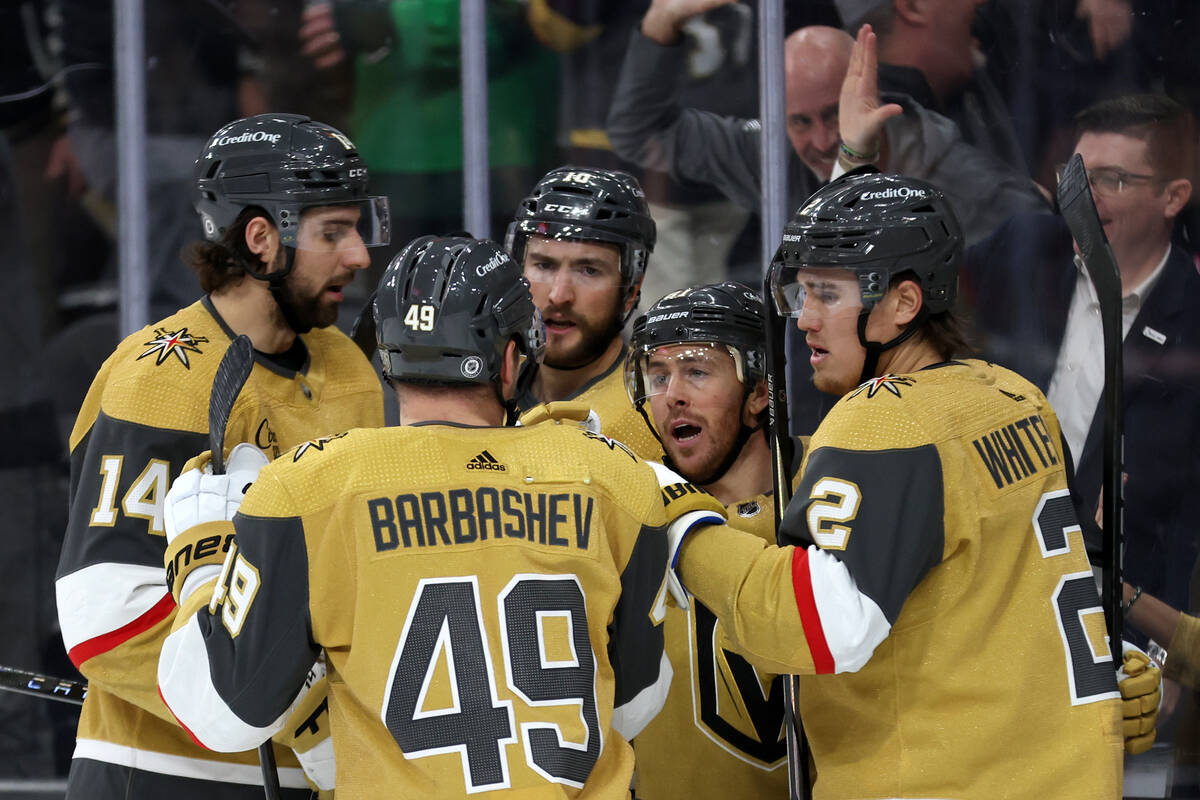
(876, 226)
(726, 315)
(590, 205)
(283, 163)
(446, 309)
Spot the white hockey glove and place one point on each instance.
(198, 496)
(1140, 681)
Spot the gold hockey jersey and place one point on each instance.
(939, 600)
(489, 599)
(720, 733)
(145, 415)
(605, 394)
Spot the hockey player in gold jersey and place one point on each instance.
(280, 250)
(583, 237)
(937, 600)
(696, 365)
(489, 598)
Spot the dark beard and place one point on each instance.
(304, 313)
(592, 344)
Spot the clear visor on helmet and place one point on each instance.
(696, 367)
(823, 291)
(340, 226)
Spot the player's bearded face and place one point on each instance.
(577, 287)
(698, 404)
(826, 304)
(329, 251)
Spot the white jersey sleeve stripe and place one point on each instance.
(97, 600)
(632, 716)
(853, 623)
(183, 766)
(186, 686)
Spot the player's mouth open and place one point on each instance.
(335, 292)
(818, 354)
(685, 432)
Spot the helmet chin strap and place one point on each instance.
(876, 349)
(276, 282)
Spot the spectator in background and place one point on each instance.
(928, 52)
(406, 112)
(1036, 311)
(701, 234)
(195, 82)
(649, 125)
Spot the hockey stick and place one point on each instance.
(781, 457)
(1079, 210)
(44, 686)
(232, 374)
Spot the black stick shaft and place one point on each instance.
(799, 782)
(46, 687)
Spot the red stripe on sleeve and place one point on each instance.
(185, 727)
(806, 604)
(107, 641)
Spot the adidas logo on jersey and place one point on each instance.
(486, 460)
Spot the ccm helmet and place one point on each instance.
(590, 205)
(446, 309)
(283, 163)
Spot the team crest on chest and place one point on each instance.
(179, 342)
(892, 383)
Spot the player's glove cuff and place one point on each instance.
(195, 556)
(677, 531)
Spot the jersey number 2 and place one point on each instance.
(1091, 674)
(445, 627)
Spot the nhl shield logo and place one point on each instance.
(471, 366)
(748, 509)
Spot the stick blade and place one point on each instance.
(231, 376)
(1079, 210)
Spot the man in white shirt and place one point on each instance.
(1036, 312)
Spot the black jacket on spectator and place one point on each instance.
(1019, 284)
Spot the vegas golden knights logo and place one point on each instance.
(717, 669)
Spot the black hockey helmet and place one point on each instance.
(591, 205)
(877, 226)
(283, 163)
(446, 309)
(727, 314)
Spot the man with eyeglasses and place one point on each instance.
(583, 237)
(1038, 311)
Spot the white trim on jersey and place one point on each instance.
(853, 623)
(185, 683)
(635, 714)
(89, 606)
(183, 766)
